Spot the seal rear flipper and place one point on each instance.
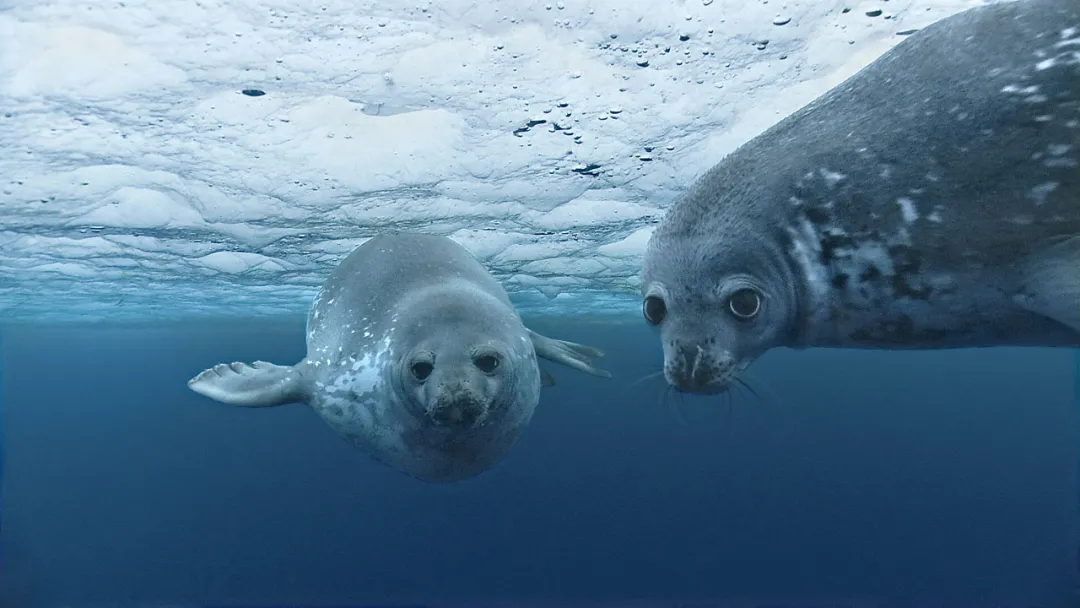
(570, 354)
(259, 384)
(1053, 288)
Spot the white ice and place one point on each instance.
(139, 181)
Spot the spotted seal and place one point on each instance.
(931, 200)
(415, 355)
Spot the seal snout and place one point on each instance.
(693, 369)
(458, 408)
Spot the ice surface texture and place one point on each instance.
(169, 158)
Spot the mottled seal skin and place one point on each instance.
(932, 200)
(415, 355)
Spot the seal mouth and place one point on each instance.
(459, 413)
(699, 384)
(695, 371)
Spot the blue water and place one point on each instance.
(940, 476)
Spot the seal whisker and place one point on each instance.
(774, 406)
(760, 390)
(645, 377)
(649, 375)
(743, 385)
(678, 411)
(666, 402)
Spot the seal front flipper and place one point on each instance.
(1053, 286)
(259, 384)
(570, 354)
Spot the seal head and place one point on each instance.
(462, 391)
(461, 371)
(717, 306)
(465, 380)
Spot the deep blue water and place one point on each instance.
(945, 476)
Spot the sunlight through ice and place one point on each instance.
(174, 158)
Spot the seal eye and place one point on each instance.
(654, 310)
(421, 370)
(744, 303)
(486, 363)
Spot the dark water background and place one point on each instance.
(940, 476)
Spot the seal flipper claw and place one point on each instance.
(259, 384)
(1054, 283)
(570, 354)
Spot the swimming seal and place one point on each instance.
(932, 200)
(415, 355)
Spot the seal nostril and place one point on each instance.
(702, 375)
(693, 369)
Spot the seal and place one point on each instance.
(416, 356)
(931, 200)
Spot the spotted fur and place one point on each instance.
(912, 206)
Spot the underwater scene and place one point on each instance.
(894, 479)
(574, 303)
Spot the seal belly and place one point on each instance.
(353, 400)
(963, 315)
(872, 291)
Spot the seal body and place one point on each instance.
(932, 200)
(415, 355)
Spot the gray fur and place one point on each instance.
(393, 302)
(932, 200)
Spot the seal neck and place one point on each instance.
(811, 281)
